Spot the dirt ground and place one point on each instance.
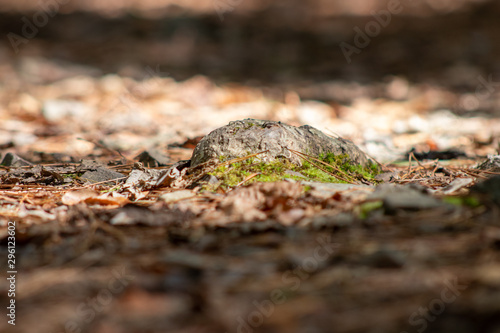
(102, 247)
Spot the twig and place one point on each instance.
(347, 178)
(247, 178)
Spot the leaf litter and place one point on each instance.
(97, 220)
(89, 210)
(195, 255)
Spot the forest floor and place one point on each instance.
(98, 250)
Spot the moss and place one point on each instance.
(345, 164)
(340, 165)
(468, 201)
(249, 125)
(315, 174)
(366, 208)
(234, 174)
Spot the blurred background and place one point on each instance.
(372, 71)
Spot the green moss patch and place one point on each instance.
(468, 201)
(258, 171)
(343, 163)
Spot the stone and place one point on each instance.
(153, 158)
(457, 184)
(488, 190)
(492, 164)
(101, 175)
(250, 136)
(13, 160)
(404, 197)
(327, 190)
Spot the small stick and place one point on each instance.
(347, 178)
(247, 178)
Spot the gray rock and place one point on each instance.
(13, 160)
(399, 197)
(153, 158)
(243, 137)
(457, 184)
(101, 174)
(336, 187)
(96, 172)
(492, 164)
(327, 190)
(488, 190)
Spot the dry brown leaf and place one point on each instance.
(75, 197)
(110, 200)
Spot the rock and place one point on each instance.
(153, 158)
(101, 174)
(492, 164)
(96, 172)
(456, 185)
(12, 160)
(327, 190)
(400, 197)
(488, 190)
(243, 137)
